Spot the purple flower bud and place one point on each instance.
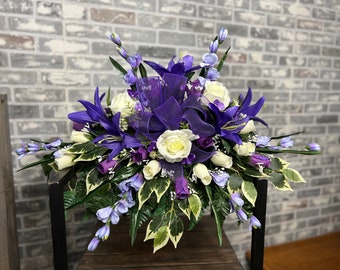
(181, 188)
(205, 142)
(314, 147)
(115, 39)
(220, 178)
(122, 52)
(241, 215)
(114, 217)
(53, 145)
(222, 35)
(104, 166)
(137, 181)
(139, 155)
(286, 142)
(93, 244)
(254, 223)
(103, 214)
(262, 141)
(259, 160)
(77, 126)
(130, 77)
(212, 74)
(103, 232)
(134, 60)
(33, 147)
(151, 146)
(213, 46)
(210, 59)
(189, 159)
(235, 198)
(122, 207)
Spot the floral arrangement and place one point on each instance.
(168, 148)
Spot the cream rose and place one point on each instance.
(222, 160)
(245, 149)
(249, 127)
(175, 145)
(216, 90)
(80, 136)
(201, 171)
(65, 161)
(151, 169)
(124, 104)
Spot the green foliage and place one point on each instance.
(117, 66)
(158, 185)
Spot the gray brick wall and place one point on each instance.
(54, 52)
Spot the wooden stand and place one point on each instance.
(9, 254)
(197, 250)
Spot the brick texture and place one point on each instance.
(54, 52)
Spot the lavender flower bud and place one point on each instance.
(213, 46)
(313, 147)
(93, 244)
(122, 52)
(222, 35)
(103, 232)
(130, 77)
(115, 39)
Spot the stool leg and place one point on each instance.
(258, 235)
(58, 226)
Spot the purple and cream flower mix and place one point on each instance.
(172, 145)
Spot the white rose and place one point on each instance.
(151, 169)
(216, 90)
(249, 127)
(245, 149)
(80, 136)
(201, 171)
(221, 159)
(124, 104)
(175, 145)
(65, 161)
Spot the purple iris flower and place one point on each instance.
(230, 121)
(139, 155)
(259, 160)
(220, 178)
(112, 137)
(182, 67)
(181, 188)
(104, 166)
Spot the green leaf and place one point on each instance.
(249, 191)
(278, 164)
(108, 97)
(91, 155)
(149, 234)
(92, 180)
(137, 219)
(220, 64)
(157, 185)
(279, 181)
(235, 181)
(226, 146)
(162, 237)
(74, 197)
(125, 172)
(217, 219)
(183, 205)
(176, 230)
(255, 173)
(80, 148)
(293, 175)
(195, 205)
(117, 66)
(142, 71)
